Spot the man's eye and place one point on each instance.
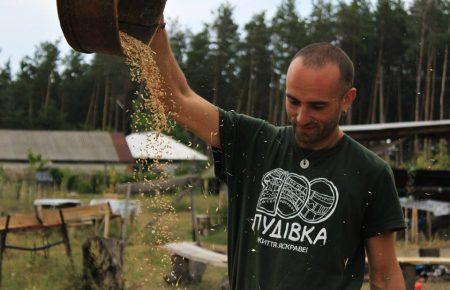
(318, 107)
(293, 101)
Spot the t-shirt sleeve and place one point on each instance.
(383, 212)
(236, 132)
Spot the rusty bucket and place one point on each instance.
(93, 25)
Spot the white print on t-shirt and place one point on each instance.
(289, 195)
(278, 229)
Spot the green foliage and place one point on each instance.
(433, 158)
(223, 55)
(241, 68)
(80, 184)
(57, 175)
(36, 161)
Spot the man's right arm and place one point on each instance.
(186, 107)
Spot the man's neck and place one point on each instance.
(328, 142)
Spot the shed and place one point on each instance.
(84, 150)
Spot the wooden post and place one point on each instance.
(429, 225)
(194, 222)
(65, 237)
(123, 231)
(415, 225)
(206, 186)
(2, 246)
(406, 229)
(106, 226)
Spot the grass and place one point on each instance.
(146, 261)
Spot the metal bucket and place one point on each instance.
(93, 25)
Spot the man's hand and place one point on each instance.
(183, 105)
(385, 271)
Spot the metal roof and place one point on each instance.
(438, 208)
(151, 145)
(61, 146)
(397, 130)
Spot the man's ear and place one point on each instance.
(348, 99)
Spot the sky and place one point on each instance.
(26, 23)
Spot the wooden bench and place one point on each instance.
(189, 262)
(48, 219)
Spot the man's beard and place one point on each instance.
(320, 133)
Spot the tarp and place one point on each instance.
(438, 208)
(151, 145)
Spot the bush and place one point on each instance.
(81, 184)
(57, 175)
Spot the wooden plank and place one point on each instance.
(424, 260)
(85, 212)
(22, 221)
(195, 253)
(3, 223)
(50, 217)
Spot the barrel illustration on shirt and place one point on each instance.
(290, 195)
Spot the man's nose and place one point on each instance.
(302, 116)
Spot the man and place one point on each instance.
(305, 201)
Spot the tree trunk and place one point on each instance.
(382, 115)
(91, 105)
(94, 116)
(103, 264)
(105, 104)
(380, 68)
(47, 93)
(373, 105)
(30, 110)
(433, 86)
(283, 117)
(215, 100)
(250, 105)
(277, 106)
(112, 107)
(399, 99)
(61, 107)
(419, 70)
(348, 118)
(116, 116)
(426, 106)
(443, 82)
(241, 100)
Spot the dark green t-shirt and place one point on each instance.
(294, 228)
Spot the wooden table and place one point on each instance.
(56, 203)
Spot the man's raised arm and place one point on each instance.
(186, 107)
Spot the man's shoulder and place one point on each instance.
(363, 156)
(245, 122)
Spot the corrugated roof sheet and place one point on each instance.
(72, 146)
(151, 145)
(438, 208)
(397, 125)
